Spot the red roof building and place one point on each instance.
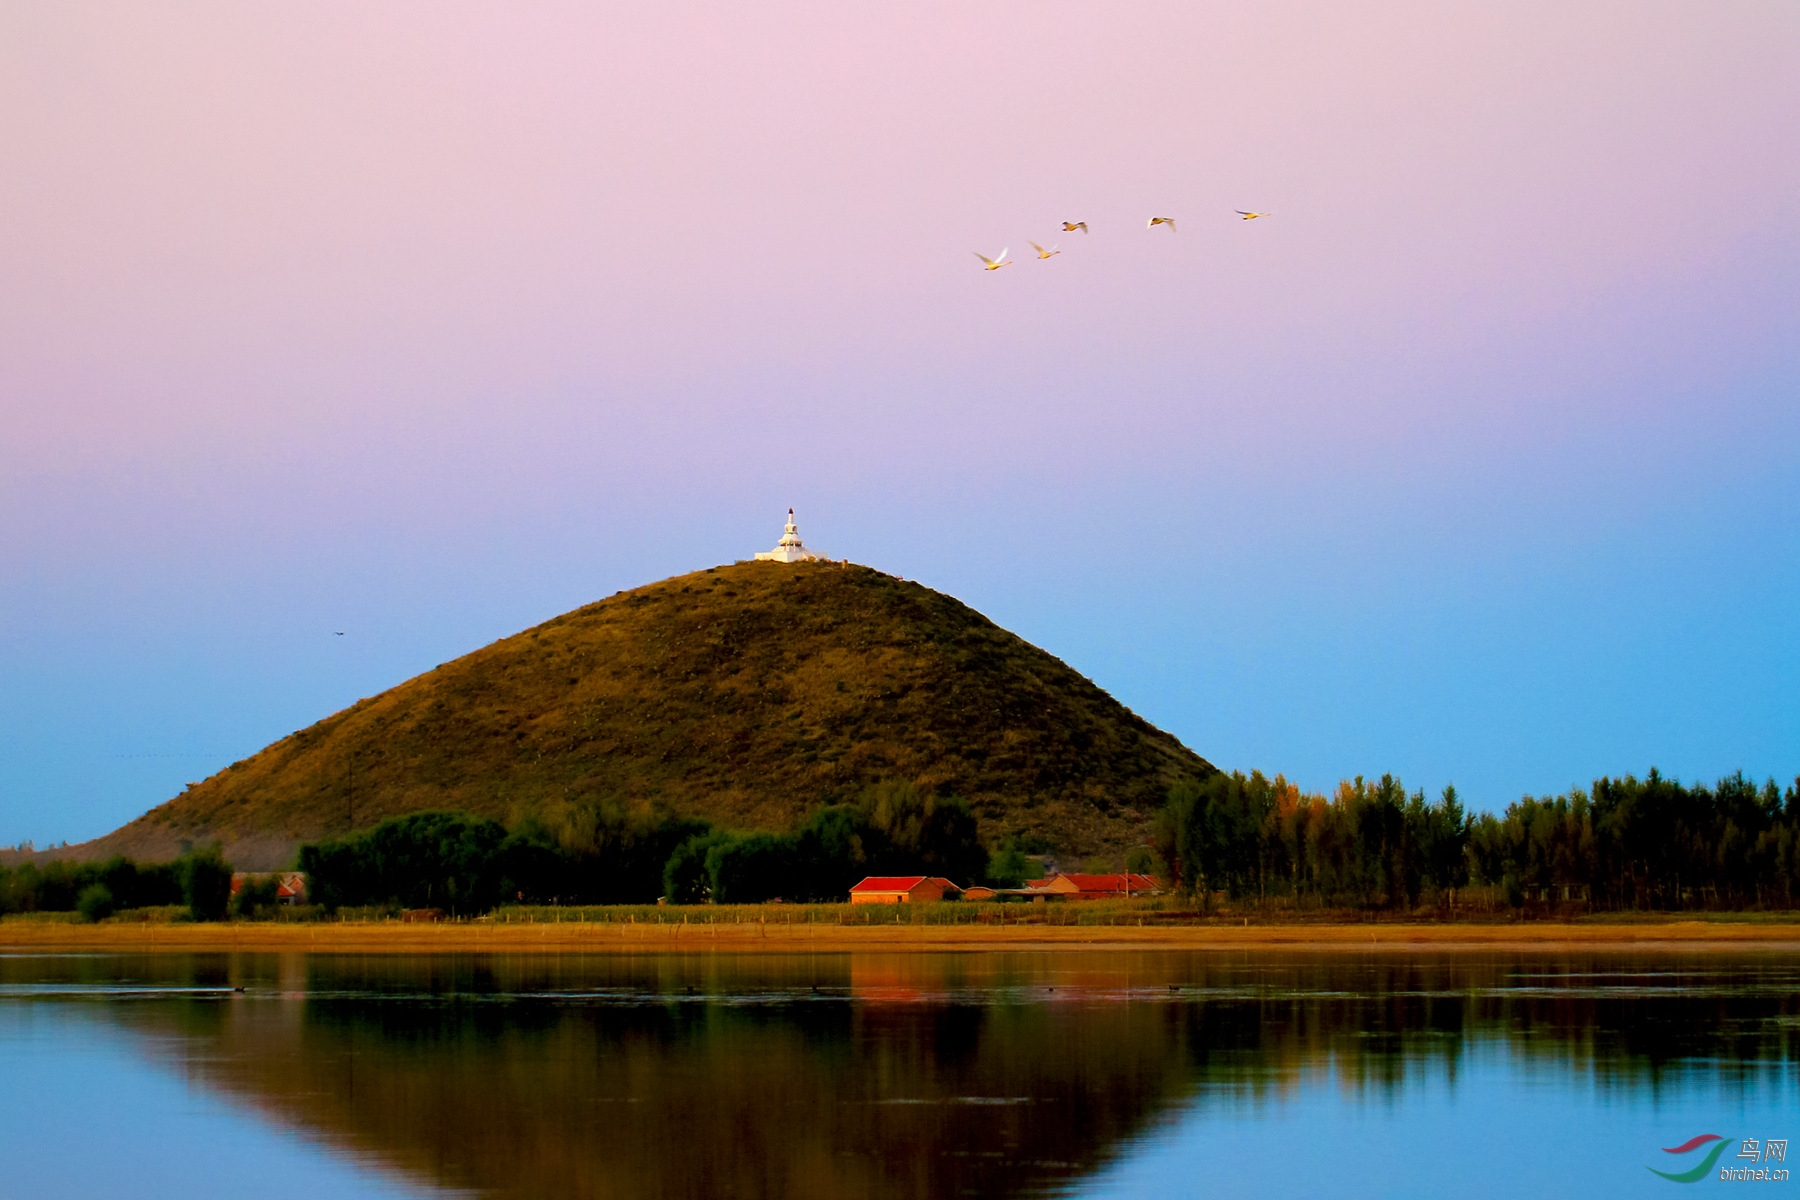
(902, 889)
(1094, 887)
(290, 886)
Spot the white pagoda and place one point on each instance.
(789, 549)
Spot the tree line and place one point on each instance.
(605, 853)
(200, 880)
(1627, 843)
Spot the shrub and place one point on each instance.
(95, 902)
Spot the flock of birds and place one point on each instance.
(1000, 259)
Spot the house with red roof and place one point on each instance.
(290, 886)
(902, 889)
(1063, 886)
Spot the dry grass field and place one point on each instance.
(775, 935)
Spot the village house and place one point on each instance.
(1061, 886)
(902, 889)
(290, 886)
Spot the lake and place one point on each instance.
(1386, 1073)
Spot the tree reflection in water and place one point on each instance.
(886, 1075)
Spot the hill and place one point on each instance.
(744, 694)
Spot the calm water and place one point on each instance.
(1135, 1074)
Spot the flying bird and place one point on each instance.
(1155, 221)
(994, 263)
(1249, 216)
(1072, 226)
(1043, 253)
(339, 633)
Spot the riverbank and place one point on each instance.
(394, 937)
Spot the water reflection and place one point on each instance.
(884, 1075)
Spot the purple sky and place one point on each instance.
(1475, 461)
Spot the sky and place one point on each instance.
(1474, 461)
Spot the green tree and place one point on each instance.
(205, 883)
(255, 898)
(95, 902)
(921, 832)
(750, 870)
(1211, 833)
(1009, 867)
(835, 848)
(426, 860)
(685, 877)
(613, 853)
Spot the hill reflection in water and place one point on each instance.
(881, 1075)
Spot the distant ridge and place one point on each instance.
(745, 694)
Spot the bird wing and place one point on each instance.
(1034, 246)
(978, 254)
(1002, 257)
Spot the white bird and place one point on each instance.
(1072, 226)
(1155, 221)
(994, 263)
(1249, 216)
(1043, 253)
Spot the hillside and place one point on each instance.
(744, 694)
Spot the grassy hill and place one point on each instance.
(745, 694)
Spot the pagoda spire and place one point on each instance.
(790, 549)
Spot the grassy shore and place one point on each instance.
(770, 933)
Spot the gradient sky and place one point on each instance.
(1476, 461)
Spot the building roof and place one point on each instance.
(889, 883)
(902, 883)
(286, 882)
(1095, 883)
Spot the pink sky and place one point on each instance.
(290, 290)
